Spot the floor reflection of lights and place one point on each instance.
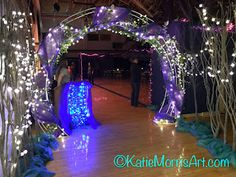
(162, 127)
(79, 146)
(179, 167)
(98, 99)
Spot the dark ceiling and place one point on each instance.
(159, 10)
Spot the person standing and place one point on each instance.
(73, 71)
(135, 73)
(64, 75)
(90, 73)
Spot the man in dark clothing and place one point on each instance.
(135, 81)
(90, 73)
(74, 71)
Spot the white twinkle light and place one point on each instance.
(17, 91)
(9, 89)
(204, 11)
(20, 132)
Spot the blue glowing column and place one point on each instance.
(76, 105)
(79, 106)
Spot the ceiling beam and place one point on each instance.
(53, 15)
(83, 3)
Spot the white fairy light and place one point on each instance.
(21, 132)
(232, 65)
(204, 11)
(17, 91)
(231, 73)
(18, 46)
(18, 142)
(9, 89)
(21, 20)
(15, 130)
(29, 122)
(14, 165)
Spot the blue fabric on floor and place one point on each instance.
(152, 107)
(43, 146)
(202, 131)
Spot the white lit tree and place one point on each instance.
(218, 60)
(16, 83)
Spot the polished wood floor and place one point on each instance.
(129, 131)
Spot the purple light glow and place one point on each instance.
(76, 105)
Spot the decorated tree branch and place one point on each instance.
(218, 62)
(16, 73)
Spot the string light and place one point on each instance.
(20, 63)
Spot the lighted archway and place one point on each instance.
(131, 24)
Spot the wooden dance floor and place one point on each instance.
(128, 131)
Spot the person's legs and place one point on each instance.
(89, 78)
(92, 79)
(132, 93)
(74, 76)
(136, 93)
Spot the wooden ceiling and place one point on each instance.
(158, 10)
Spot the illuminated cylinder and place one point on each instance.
(76, 105)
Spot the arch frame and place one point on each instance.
(133, 25)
